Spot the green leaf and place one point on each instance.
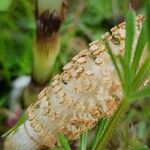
(147, 9)
(126, 76)
(83, 140)
(142, 74)
(140, 148)
(126, 59)
(142, 127)
(138, 51)
(64, 142)
(145, 92)
(102, 123)
(4, 5)
(22, 119)
(56, 148)
(130, 32)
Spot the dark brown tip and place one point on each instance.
(48, 22)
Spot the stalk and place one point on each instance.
(49, 15)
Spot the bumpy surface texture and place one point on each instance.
(87, 89)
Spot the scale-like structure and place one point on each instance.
(87, 89)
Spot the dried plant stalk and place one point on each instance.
(87, 89)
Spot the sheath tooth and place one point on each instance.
(84, 53)
(98, 60)
(81, 60)
(67, 67)
(33, 123)
(94, 42)
(78, 71)
(42, 94)
(94, 48)
(60, 93)
(106, 36)
(88, 72)
(75, 58)
(66, 76)
(57, 88)
(114, 29)
(54, 83)
(38, 127)
(122, 25)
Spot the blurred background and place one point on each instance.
(86, 20)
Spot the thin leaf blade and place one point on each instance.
(101, 127)
(142, 74)
(138, 51)
(64, 142)
(130, 32)
(22, 119)
(147, 10)
(83, 140)
(145, 92)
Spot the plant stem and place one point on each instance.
(115, 119)
(64, 142)
(49, 15)
(83, 140)
(101, 128)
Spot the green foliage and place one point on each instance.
(147, 5)
(102, 123)
(142, 74)
(145, 92)
(64, 142)
(139, 148)
(83, 140)
(130, 33)
(4, 5)
(138, 51)
(100, 10)
(17, 40)
(22, 119)
(132, 80)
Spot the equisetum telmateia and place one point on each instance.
(86, 90)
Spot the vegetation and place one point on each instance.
(80, 27)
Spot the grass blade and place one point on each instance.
(147, 8)
(138, 51)
(130, 32)
(126, 76)
(83, 140)
(56, 148)
(22, 119)
(101, 127)
(64, 142)
(142, 74)
(145, 92)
